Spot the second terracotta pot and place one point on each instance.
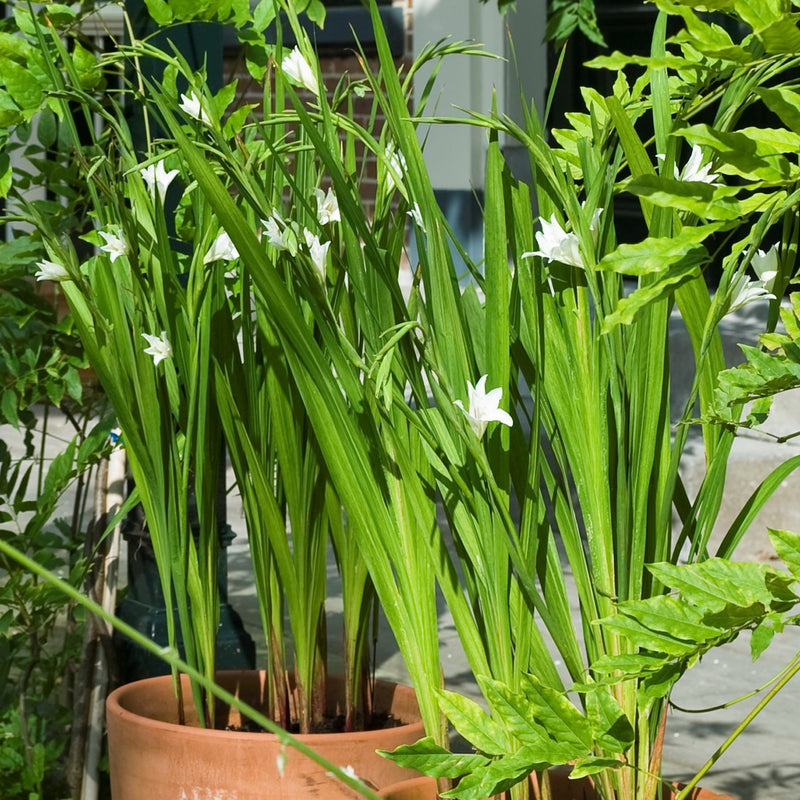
(153, 757)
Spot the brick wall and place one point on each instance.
(334, 62)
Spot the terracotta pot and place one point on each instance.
(561, 786)
(152, 756)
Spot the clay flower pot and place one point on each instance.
(422, 788)
(152, 756)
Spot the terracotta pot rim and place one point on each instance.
(115, 707)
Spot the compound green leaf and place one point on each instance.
(500, 775)
(430, 759)
(470, 720)
(593, 765)
(667, 614)
(657, 254)
(557, 714)
(611, 728)
(787, 546)
(785, 103)
(26, 93)
(714, 584)
(761, 638)
(648, 639)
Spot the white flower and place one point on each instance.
(50, 271)
(484, 407)
(416, 215)
(327, 207)
(318, 252)
(191, 106)
(115, 245)
(766, 267)
(556, 244)
(160, 348)
(280, 235)
(272, 229)
(744, 290)
(299, 72)
(694, 169)
(157, 178)
(222, 249)
(397, 166)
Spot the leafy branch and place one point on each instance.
(768, 370)
(564, 17)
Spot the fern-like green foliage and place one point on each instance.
(712, 603)
(768, 370)
(564, 17)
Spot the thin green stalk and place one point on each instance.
(41, 458)
(791, 670)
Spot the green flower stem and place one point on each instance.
(171, 657)
(791, 670)
(737, 700)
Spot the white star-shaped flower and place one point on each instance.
(744, 290)
(159, 348)
(115, 245)
(222, 249)
(280, 235)
(766, 266)
(318, 253)
(556, 244)
(327, 206)
(695, 170)
(299, 72)
(157, 178)
(192, 106)
(273, 230)
(484, 407)
(50, 271)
